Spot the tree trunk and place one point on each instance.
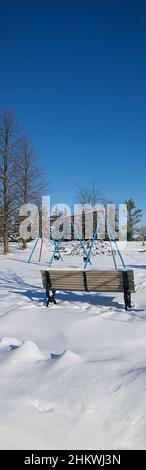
(5, 239)
(6, 203)
(24, 244)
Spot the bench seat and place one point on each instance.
(88, 281)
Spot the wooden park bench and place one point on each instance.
(88, 281)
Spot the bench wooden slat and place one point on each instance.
(96, 280)
(89, 281)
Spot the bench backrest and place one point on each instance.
(90, 280)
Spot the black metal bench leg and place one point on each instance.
(47, 296)
(127, 294)
(53, 297)
(50, 298)
(127, 299)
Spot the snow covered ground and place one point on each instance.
(74, 375)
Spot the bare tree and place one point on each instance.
(21, 178)
(89, 194)
(31, 179)
(9, 144)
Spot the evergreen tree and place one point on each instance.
(134, 219)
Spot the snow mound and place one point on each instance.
(21, 354)
(67, 358)
(9, 343)
(29, 352)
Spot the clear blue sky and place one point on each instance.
(75, 74)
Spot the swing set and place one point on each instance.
(86, 253)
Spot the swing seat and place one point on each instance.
(88, 281)
(85, 258)
(56, 257)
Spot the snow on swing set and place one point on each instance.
(86, 254)
(56, 253)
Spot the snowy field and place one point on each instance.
(72, 376)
